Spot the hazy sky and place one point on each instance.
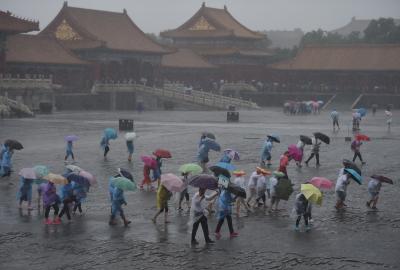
(157, 15)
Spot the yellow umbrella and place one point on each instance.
(311, 193)
(56, 179)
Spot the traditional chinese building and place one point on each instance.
(118, 49)
(11, 25)
(222, 40)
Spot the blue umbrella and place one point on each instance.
(80, 180)
(354, 175)
(362, 111)
(226, 166)
(110, 133)
(211, 144)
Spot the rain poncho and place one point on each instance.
(202, 154)
(226, 158)
(3, 149)
(111, 187)
(157, 171)
(225, 201)
(301, 204)
(163, 195)
(25, 189)
(355, 145)
(342, 183)
(6, 159)
(266, 150)
(69, 147)
(79, 192)
(104, 142)
(118, 200)
(374, 186)
(240, 181)
(66, 192)
(50, 196)
(273, 181)
(335, 115)
(130, 146)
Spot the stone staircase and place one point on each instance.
(205, 99)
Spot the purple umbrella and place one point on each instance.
(28, 173)
(71, 138)
(205, 181)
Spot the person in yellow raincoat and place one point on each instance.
(163, 196)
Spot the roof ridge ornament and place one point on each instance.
(65, 4)
(203, 5)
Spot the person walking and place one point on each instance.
(225, 212)
(355, 147)
(314, 152)
(335, 119)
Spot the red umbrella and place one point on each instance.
(295, 152)
(362, 137)
(149, 161)
(162, 153)
(321, 182)
(382, 179)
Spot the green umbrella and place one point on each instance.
(41, 171)
(124, 183)
(192, 168)
(284, 188)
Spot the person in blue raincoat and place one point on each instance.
(266, 152)
(226, 158)
(68, 151)
(105, 144)
(118, 200)
(3, 149)
(79, 193)
(25, 192)
(202, 154)
(131, 148)
(157, 171)
(67, 198)
(225, 201)
(6, 163)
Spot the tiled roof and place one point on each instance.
(185, 58)
(14, 25)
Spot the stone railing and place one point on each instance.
(19, 83)
(192, 96)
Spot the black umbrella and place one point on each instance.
(351, 165)
(13, 144)
(305, 139)
(125, 174)
(322, 137)
(236, 190)
(204, 181)
(274, 138)
(381, 178)
(218, 171)
(209, 135)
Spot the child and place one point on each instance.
(146, 177)
(105, 144)
(355, 147)
(374, 186)
(335, 119)
(25, 192)
(51, 200)
(273, 181)
(241, 182)
(261, 189)
(266, 152)
(252, 184)
(67, 198)
(341, 187)
(301, 207)
(225, 210)
(284, 162)
(69, 151)
(198, 215)
(131, 149)
(79, 193)
(118, 200)
(184, 194)
(163, 196)
(314, 152)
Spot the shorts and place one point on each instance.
(341, 195)
(373, 195)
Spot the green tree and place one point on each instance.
(383, 30)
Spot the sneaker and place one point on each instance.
(127, 222)
(363, 163)
(368, 204)
(194, 242)
(296, 228)
(209, 241)
(180, 209)
(48, 222)
(234, 234)
(217, 235)
(57, 221)
(308, 228)
(374, 207)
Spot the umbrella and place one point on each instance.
(354, 175)
(41, 171)
(205, 181)
(362, 111)
(74, 168)
(209, 135)
(220, 171)
(233, 154)
(92, 180)
(80, 180)
(273, 137)
(278, 174)
(192, 168)
(125, 173)
(13, 144)
(263, 171)
(28, 173)
(123, 183)
(56, 179)
(320, 102)
(388, 113)
(322, 137)
(211, 144)
(130, 136)
(382, 179)
(284, 188)
(172, 182)
(162, 153)
(321, 182)
(110, 133)
(236, 190)
(311, 193)
(295, 152)
(351, 165)
(305, 139)
(239, 173)
(362, 137)
(226, 166)
(149, 161)
(71, 138)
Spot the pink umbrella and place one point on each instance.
(321, 182)
(28, 173)
(90, 177)
(172, 182)
(295, 152)
(149, 161)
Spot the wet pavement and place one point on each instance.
(355, 239)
